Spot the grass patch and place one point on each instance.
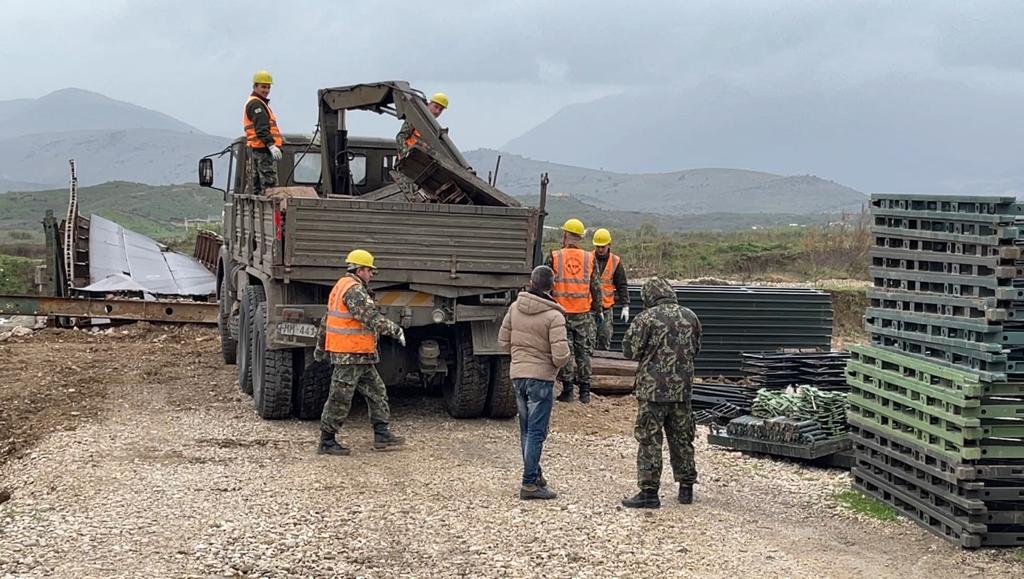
(865, 505)
(1018, 554)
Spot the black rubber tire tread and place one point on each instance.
(252, 296)
(312, 390)
(465, 394)
(501, 396)
(228, 344)
(273, 372)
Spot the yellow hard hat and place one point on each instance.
(574, 226)
(602, 237)
(360, 257)
(440, 98)
(262, 77)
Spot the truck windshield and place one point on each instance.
(307, 168)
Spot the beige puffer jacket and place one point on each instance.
(534, 332)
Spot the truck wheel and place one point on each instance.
(252, 296)
(228, 344)
(465, 392)
(273, 372)
(312, 390)
(501, 397)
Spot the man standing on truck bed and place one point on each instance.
(664, 339)
(614, 287)
(578, 291)
(261, 133)
(408, 136)
(349, 333)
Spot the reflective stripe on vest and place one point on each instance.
(607, 280)
(573, 269)
(346, 334)
(250, 129)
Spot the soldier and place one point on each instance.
(261, 134)
(408, 136)
(578, 291)
(614, 287)
(349, 333)
(664, 338)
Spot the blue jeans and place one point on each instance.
(534, 398)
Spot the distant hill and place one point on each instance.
(561, 207)
(73, 109)
(891, 134)
(695, 191)
(8, 185)
(156, 211)
(155, 156)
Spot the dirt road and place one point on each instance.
(135, 455)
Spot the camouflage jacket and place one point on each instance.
(359, 301)
(595, 285)
(402, 136)
(257, 111)
(664, 339)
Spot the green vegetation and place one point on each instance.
(16, 274)
(1018, 554)
(158, 212)
(865, 505)
(786, 254)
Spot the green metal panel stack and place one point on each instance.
(937, 401)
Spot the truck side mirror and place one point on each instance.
(206, 172)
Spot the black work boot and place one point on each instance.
(686, 494)
(645, 499)
(541, 481)
(566, 395)
(535, 491)
(386, 441)
(585, 393)
(328, 445)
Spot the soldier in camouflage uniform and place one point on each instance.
(354, 370)
(408, 136)
(664, 339)
(580, 322)
(262, 135)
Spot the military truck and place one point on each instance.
(452, 251)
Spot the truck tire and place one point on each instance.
(501, 396)
(465, 392)
(228, 344)
(312, 390)
(273, 372)
(252, 296)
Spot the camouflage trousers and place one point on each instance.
(604, 331)
(263, 170)
(676, 420)
(579, 328)
(346, 380)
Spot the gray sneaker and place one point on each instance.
(531, 492)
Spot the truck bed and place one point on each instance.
(451, 245)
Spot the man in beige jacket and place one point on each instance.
(533, 331)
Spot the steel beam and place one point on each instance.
(114, 309)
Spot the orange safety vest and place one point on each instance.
(607, 280)
(346, 334)
(573, 268)
(250, 129)
(413, 138)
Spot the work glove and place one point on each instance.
(319, 355)
(275, 152)
(401, 337)
(625, 314)
(599, 319)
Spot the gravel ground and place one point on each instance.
(166, 471)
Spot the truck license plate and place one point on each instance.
(294, 329)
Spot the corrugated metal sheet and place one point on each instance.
(424, 237)
(116, 253)
(739, 319)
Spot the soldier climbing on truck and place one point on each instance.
(452, 255)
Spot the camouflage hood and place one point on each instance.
(656, 292)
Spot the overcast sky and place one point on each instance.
(505, 65)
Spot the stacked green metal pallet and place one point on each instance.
(937, 401)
